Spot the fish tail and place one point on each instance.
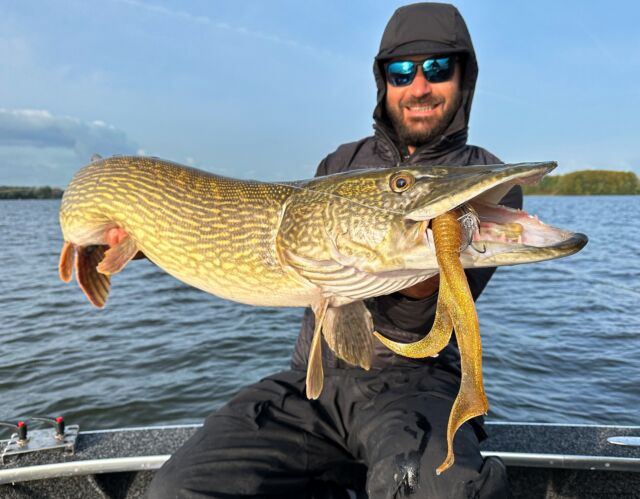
(65, 266)
(94, 263)
(94, 285)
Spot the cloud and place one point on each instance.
(39, 147)
(40, 129)
(240, 30)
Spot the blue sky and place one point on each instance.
(264, 90)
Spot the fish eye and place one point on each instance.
(400, 182)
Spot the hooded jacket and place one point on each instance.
(418, 29)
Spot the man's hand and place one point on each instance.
(115, 236)
(422, 289)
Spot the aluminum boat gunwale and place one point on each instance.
(551, 461)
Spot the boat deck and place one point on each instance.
(544, 461)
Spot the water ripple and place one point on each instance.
(561, 338)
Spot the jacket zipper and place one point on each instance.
(399, 160)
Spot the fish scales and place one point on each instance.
(172, 222)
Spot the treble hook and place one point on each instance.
(469, 224)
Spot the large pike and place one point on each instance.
(327, 243)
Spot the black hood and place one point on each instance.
(428, 28)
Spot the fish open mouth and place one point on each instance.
(495, 234)
(504, 235)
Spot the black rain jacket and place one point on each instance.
(425, 28)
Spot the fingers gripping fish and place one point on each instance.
(327, 243)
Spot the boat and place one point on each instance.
(554, 461)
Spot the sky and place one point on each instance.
(265, 89)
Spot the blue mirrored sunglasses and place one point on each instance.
(435, 70)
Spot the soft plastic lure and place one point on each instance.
(455, 309)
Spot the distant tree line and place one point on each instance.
(8, 192)
(587, 182)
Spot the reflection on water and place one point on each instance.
(561, 339)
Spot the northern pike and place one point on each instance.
(327, 243)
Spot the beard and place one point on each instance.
(417, 132)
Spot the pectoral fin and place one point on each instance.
(348, 331)
(315, 373)
(95, 285)
(117, 256)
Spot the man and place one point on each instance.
(381, 430)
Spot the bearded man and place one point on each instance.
(379, 433)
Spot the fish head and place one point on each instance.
(495, 235)
(378, 220)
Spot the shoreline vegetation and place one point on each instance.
(587, 183)
(46, 192)
(579, 183)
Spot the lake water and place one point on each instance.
(561, 339)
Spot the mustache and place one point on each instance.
(422, 101)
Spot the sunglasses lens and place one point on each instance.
(438, 70)
(401, 73)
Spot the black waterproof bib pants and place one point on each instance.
(383, 432)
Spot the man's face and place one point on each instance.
(422, 111)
